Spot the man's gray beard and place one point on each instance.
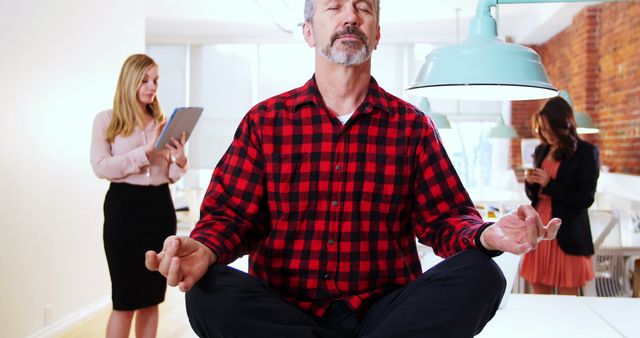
(347, 58)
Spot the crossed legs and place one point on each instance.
(455, 298)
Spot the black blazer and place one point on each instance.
(572, 193)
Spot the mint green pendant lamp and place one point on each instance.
(484, 67)
(584, 123)
(501, 130)
(441, 121)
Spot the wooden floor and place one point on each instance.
(173, 321)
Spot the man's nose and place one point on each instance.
(351, 16)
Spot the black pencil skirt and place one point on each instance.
(136, 219)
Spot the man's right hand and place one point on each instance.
(183, 261)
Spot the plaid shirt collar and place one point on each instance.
(375, 98)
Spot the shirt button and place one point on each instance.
(325, 276)
(338, 167)
(334, 203)
(330, 242)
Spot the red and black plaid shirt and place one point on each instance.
(329, 211)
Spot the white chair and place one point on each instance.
(611, 276)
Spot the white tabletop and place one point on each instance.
(538, 316)
(621, 313)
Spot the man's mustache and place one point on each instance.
(350, 30)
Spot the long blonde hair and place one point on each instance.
(127, 112)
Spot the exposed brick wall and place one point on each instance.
(618, 110)
(597, 60)
(521, 112)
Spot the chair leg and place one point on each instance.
(636, 278)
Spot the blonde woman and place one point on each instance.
(138, 209)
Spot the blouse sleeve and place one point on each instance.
(175, 172)
(106, 165)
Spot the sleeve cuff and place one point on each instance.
(222, 258)
(140, 157)
(480, 247)
(549, 188)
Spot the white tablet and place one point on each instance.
(182, 120)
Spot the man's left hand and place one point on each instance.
(519, 231)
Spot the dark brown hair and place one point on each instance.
(561, 123)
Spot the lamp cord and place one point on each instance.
(273, 19)
(458, 41)
(497, 19)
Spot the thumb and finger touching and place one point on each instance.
(171, 246)
(175, 274)
(551, 229)
(151, 260)
(523, 230)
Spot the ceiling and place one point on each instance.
(412, 21)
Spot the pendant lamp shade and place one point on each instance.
(440, 120)
(584, 123)
(501, 130)
(483, 68)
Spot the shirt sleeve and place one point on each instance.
(232, 215)
(106, 165)
(445, 217)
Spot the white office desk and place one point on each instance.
(621, 313)
(550, 316)
(537, 316)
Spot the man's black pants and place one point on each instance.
(455, 298)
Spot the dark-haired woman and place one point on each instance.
(562, 185)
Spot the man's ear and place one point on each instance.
(307, 32)
(377, 38)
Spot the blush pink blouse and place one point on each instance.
(125, 161)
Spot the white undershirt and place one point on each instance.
(344, 118)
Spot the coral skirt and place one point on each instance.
(549, 265)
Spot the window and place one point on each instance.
(228, 79)
(471, 151)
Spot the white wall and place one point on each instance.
(59, 63)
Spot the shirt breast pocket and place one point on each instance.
(387, 181)
(288, 181)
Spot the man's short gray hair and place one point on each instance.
(310, 7)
